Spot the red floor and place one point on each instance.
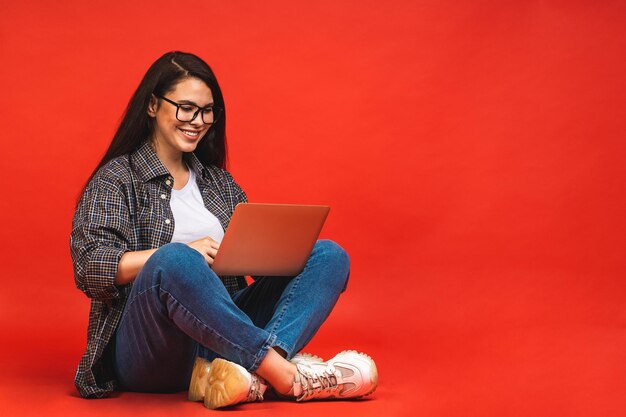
(552, 351)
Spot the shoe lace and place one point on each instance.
(317, 383)
(256, 392)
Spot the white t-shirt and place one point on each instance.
(192, 221)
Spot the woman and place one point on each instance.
(144, 235)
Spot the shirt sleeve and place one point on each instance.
(100, 236)
(239, 196)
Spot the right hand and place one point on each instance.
(207, 248)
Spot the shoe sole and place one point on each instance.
(306, 358)
(374, 374)
(226, 385)
(197, 384)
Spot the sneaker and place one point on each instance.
(346, 376)
(222, 383)
(305, 358)
(197, 384)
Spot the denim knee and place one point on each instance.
(336, 257)
(174, 254)
(179, 262)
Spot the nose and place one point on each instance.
(197, 121)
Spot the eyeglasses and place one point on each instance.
(189, 112)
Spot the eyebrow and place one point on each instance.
(195, 104)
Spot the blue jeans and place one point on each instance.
(178, 309)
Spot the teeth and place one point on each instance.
(192, 134)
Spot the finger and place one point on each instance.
(212, 252)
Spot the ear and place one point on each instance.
(153, 106)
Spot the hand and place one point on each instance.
(207, 248)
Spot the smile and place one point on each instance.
(190, 133)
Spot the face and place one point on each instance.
(171, 136)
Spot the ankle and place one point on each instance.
(278, 372)
(280, 351)
(284, 390)
(282, 382)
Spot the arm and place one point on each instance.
(130, 264)
(101, 231)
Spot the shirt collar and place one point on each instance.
(149, 166)
(194, 163)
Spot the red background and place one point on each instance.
(472, 153)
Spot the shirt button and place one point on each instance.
(168, 182)
(163, 196)
(167, 221)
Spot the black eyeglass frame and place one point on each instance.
(217, 111)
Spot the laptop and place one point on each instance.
(269, 239)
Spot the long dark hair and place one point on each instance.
(136, 126)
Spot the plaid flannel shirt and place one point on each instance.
(126, 207)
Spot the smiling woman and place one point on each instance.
(178, 129)
(144, 236)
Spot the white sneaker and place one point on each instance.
(305, 358)
(348, 375)
(222, 383)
